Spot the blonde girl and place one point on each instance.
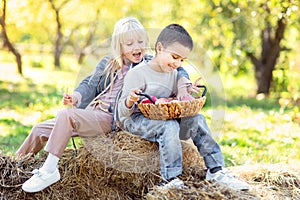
(95, 96)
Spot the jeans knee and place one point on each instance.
(172, 125)
(200, 117)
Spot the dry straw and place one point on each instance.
(85, 176)
(129, 153)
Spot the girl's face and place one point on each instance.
(172, 57)
(133, 49)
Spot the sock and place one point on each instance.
(215, 169)
(51, 163)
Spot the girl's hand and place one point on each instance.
(67, 99)
(132, 97)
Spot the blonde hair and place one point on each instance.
(124, 29)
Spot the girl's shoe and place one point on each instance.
(40, 180)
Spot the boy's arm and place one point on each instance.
(132, 80)
(183, 83)
(87, 89)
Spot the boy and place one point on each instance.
(158, 78)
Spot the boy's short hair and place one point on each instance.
(174, 33)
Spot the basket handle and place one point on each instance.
(147, 96)
(205, 90)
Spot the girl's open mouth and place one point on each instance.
(137, 55)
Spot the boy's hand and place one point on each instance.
(67, 99)
(132, 97)
(194, 87)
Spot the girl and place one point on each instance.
(129, 41)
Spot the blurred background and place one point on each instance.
(250, 48)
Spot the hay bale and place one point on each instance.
(126, 152)
(82, 177)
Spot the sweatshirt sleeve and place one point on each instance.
(133, 80)
(87, 89)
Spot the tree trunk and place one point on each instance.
(270, 53)
(7, 43)
(58, 48)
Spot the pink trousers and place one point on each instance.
(68, 122)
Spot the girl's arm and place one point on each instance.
(87, 89)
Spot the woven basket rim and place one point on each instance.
(177, 101)
(164, 110)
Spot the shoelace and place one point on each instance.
(36, 172)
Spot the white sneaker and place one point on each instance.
(40, 180)
(174, 183)
(225, 177)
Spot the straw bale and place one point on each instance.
(82, 177)
(85, 177)
(129, 153)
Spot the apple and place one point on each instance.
(146, 100)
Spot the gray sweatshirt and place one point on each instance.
(151, 82)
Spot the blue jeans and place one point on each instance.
(168, 134)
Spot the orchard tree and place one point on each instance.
(59, 43)
(237, 31)
(271, 47)
(6, 42)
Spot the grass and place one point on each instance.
(254, 131)
(27, 100)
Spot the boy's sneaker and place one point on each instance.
(40, 180)
(172, 183)
(225, 177)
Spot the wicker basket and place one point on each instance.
(172, 110)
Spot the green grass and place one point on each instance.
(254, 131)
(25, 101)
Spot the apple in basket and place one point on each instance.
(157, 100)
(148, 100)
(163, 100)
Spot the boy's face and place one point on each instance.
(171, 57)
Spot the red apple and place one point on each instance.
(148, 101)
